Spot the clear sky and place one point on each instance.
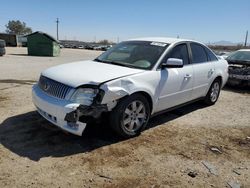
(203, 20)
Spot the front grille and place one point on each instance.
(54, 88)
(240, 70)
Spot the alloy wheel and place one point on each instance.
(215, 91)
(134, 116)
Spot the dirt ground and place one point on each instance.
(194, 146)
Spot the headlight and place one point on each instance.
(84, 96)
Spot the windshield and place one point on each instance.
(135, 54)
(239, 56)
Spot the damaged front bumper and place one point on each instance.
(239, 75)
(235, 79)
(63, 113)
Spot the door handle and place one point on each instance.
(188, 76)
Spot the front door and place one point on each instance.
(176, 83)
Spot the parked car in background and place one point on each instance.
(102, 47)
(66, 46)
(97, 47)
(130, 82)
(222, 54)
(80, 47)
(2, 47)
(106, 47)
(89, 47)
(239, 68)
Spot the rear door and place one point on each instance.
(176, 84)
(203, 70)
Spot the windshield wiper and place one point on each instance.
(98, 60)
(103, 61)
(114, 63)
(121, 64)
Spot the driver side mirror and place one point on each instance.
(172, 63)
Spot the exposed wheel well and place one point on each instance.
(219, 78)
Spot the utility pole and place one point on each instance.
(57, 22)
(246, 38)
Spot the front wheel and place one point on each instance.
(130, 116)
(213, 92)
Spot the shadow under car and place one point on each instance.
(29, 135)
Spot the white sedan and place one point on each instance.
(129, 83)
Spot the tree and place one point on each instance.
(17, 27)
(104, 42)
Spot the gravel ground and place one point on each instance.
(194, 146)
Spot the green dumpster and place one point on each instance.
(42, 44)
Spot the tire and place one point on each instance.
(213, 92)
(130, 116)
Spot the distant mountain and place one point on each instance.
(224, 43)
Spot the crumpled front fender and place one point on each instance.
(117, 90)
(122, 87)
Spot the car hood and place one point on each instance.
(87, 72)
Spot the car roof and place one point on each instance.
(162, 39)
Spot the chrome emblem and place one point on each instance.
(46, 86)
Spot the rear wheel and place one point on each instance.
(130, 116)
(213, 92)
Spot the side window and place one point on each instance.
(198, 53)
(210, 55)
(180, 52)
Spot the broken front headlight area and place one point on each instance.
(89, 100)
(84, 96)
